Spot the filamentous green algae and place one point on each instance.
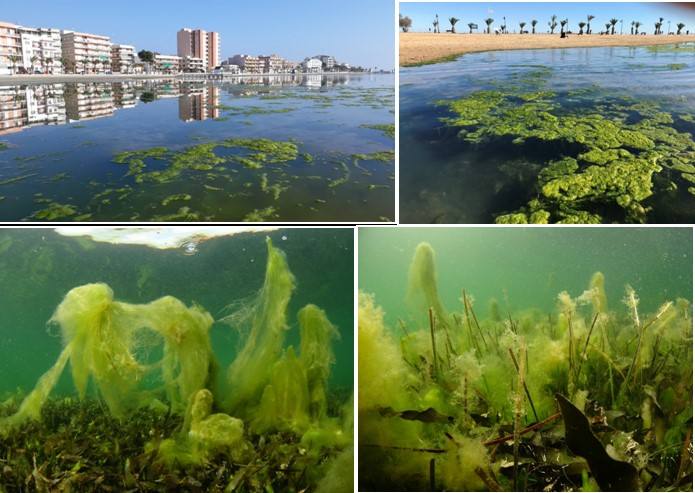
(465, 397)
(607, 152)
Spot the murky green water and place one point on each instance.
(38, 267)
(528, 267)
(305, 148)
(550, 136)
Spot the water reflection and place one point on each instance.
(24, 106)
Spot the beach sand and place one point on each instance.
(419, 48)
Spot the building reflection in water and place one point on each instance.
(24, 106)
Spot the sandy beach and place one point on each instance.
(419, 48)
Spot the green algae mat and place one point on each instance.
(541, 145)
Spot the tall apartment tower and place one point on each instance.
(198, 43)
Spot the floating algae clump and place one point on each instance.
(266, 316)
(202, 157)
(488, 419)
(606, 152)
(101, 337)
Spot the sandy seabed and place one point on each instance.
(419, 48)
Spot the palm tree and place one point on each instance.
(521, 27)
(589, 18)
(489, 22)
(581, 27)
(49, 64)
(563, 23)
(471, 26)
(533, 26)
(436, 18)
(637, 25)
(657, 26)
(33, 61)
(453, 21)
(632, 27)
(608, 28)
(680, 27)
(552, 24)
(13, 60)
(613, 22)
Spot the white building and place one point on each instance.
(122, 59)
(230, 68)
(41, 50)
(312, 65)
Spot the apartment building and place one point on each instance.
(327, 61)
(10, 48)
(122, 59)
(86, 53)
(168, 64)
(312, 65)
(248, 64)
(272, 64)
(29, 50)
(41, 50)
(197, 43)
(193, 65)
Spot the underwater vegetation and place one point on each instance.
(596, 395)
(155, 411)
(597, 156)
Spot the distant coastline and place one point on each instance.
(58, 78)
(427, 48)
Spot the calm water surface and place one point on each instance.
(58, 143)
(445, 180)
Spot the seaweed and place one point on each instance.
(388, 129)
(604, 156)
(460, 402)
(158, 417)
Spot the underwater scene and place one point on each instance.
(223, 363)
(525, 359)
(305, 148)
(576, 135)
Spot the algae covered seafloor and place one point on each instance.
(222, 365)
(287, 148)
(595, 135)
(525, 359)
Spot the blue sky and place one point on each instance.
(359, 32)
(423, 14)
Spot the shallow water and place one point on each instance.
(446, 180)
(58, 144)
(38, 267)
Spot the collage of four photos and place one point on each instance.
(371, 246)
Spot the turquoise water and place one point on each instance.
(528, 267)
(60, 146)
(445, 178)
(38, 267)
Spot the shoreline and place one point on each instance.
(418, 49)
(6, 80)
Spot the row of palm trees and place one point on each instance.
(94, 63)
(584, 27)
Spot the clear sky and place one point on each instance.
(423, 14)
(358, 32)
